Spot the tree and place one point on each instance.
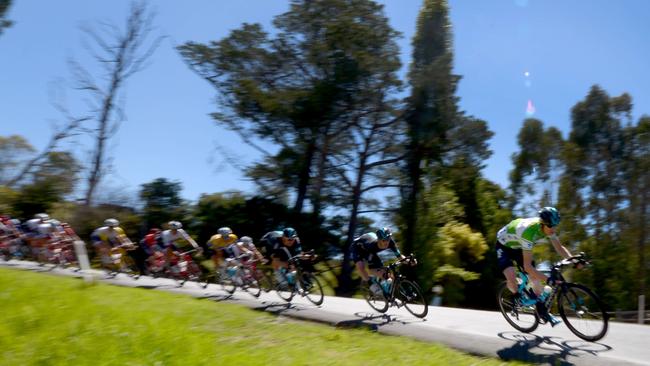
(120, 54)
(431, 107)
(4, 22)
(299, 89)
(540, 157)
(14, 152)
(162, 202)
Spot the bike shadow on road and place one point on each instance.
(547, 350)
(374, 321)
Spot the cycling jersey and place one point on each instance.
(169, 238)
(522, 234)
(106, 235)
(219, 242)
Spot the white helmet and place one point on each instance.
(42, 216)
(224, 231)
(175, 225)
(246, 240)
(111, 223)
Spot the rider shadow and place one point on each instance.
(555, 350)
(215, 297)
(374, 321)
(277, 307)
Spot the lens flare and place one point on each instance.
(526, 74)
(530, 108)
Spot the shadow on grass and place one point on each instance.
(547, 350)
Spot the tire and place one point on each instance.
(285, 290)
(312, 289)
(524, 319)
(263, 279)
(251, 285)
(583, 312)
(226, 283)
(411, 296)
(376, 301)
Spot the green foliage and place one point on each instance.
(4, 22)
(162, 202)
(7, 197)
(14, 151)
(255, 217)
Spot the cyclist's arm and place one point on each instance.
(393, 246)
(188, 238)
(559, 248)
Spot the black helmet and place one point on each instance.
(549, 216)
(383, 233)
(289, 232)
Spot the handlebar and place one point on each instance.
(574, 260)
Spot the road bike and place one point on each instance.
(118, 261)
(299, 279)
(580, 308)
(402, 292)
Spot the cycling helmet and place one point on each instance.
(384, 233)
(111, 223)
(549, 216)
(289, 232)
(246, 240)
(175, 225)
(42, 216)
(224, 231)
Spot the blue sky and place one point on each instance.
(565, 46)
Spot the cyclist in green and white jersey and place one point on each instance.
(515, 242)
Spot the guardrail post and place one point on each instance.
(84, 263)
(641, 318)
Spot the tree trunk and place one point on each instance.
(303, 177)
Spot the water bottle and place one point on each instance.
(231, 271)
(291, 277)
(546, 293)
(385, 285)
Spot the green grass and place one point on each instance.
(50, 320)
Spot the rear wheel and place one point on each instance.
(312, 288)
(411, 296)
(522, 318)
(264, 280)
(227, 283)
(583, 312)
(376, 301)
(285, 290)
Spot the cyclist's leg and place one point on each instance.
(505, 258)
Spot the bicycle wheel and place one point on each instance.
(522, 318)
(226, 282)
(264, 280)
(376, 301)
(285, 290)
(251, 285)
(411, 296)
(312, 289)
(129, 267)
(583, 312)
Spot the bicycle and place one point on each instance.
(402, 292)
(300, 280)
(60, 253)
(118, 261)
(183, 268)
(581, 309)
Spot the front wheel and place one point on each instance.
(522, 318)
(312, 288)
(411, 296)
(583, 312)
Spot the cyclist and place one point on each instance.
(219, 245)
(285, 244)
(108, 236)
(364, 251)
(172, 237)
(246, 245)
(515, 242)
(36, 232)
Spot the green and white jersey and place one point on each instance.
(522, 234)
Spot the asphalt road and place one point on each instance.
(478, 332)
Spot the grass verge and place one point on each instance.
(50, 320)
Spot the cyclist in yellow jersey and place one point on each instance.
(108, 236)
(219, 243)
